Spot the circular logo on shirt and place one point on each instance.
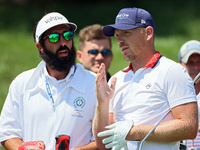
(79, 102)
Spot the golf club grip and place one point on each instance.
(197, 79)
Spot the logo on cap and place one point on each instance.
(143, 21)
(193, 46)
(122, 16)
(53, 18)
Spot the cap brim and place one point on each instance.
(109, 30)
(186, 57)
(72, 26)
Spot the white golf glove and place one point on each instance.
(117, 134)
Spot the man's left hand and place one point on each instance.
(117, 133)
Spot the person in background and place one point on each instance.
(189, 57)
(94, 48)
(53, 103)
(151, 104)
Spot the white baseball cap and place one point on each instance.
(50, 20)
(187, 49)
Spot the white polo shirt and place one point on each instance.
(146, 96)
(28, 112)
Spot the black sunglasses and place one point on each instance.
(104, 52)
(54, 37)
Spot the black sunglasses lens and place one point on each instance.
(106, 52)
(93, 52)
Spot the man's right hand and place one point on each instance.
(104, 92)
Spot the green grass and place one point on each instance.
(176, 22)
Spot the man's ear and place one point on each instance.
(79, 55)
(150, 32)
(39, 47)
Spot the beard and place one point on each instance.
(62, 64)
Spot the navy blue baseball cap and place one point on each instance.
(130, 18)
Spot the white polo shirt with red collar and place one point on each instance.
(148, 94)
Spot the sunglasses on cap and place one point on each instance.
(54, 37)
(104, 52)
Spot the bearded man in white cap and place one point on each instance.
(189, 57)
(53, 103)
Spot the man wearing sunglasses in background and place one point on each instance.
(189, 57)
(95, 48)
(53, 104)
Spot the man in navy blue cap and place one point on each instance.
(151, 104)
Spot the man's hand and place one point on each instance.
(32, 145)
(117, 134)
(103, 92)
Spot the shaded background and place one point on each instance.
(171, 17)
(177, 21)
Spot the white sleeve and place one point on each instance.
(10, 126)
(179, 86)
